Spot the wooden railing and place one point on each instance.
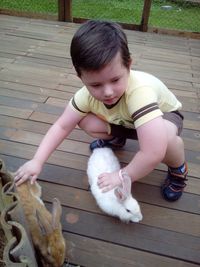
(65, 14)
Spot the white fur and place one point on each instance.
(103, 160)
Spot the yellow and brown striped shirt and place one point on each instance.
(145, 98)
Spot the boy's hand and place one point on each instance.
(107, 181)
(30, 170)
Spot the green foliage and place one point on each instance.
(35, 6)
(182, 16)
(121, 11)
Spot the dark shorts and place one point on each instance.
(120, 131)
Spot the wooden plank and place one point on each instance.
(191, 137)
(89, 252)
(30, 138)
(156, 216)
(165, 56)
(43, 117)
(58, 157)
(179, 85)
(31, 68)
(145, 15)
(68, 10)
(58, 101)
(67, 145)
(70, 146)
(52, 173)
(73, 80)
(28, 104)
(61, 10)
(178, 66)
(22, 95)
(4, 61)
(68, 160)
(157, 66)
(28, 88)
(82, 199)
(18, 103)
(136, 236)
(29, 75)
(144, 192)
(186, 94)
(167, 74)
(15, 112)
(38, 127)
(178, 33)
(52, 60)
(155, 178)
(124, 156)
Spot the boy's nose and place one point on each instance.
(108, 91)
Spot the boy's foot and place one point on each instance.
(174, 184)
(115, 142)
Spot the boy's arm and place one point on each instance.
(152, 137)
(55, 135)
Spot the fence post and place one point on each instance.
(145, 15)
(65, 10)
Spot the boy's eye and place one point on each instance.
(95, 85)
(115, 80)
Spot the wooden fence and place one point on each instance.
(65, 14)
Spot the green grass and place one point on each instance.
(183, 15)
(121, 11)
(35, 6)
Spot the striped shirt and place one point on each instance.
(145, 98)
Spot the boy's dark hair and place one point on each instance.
(96, 43)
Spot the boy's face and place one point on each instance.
(108, 84)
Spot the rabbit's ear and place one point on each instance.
(124, 190)
(43, 223)
(126, 183)
(119, 194)
(56, 213)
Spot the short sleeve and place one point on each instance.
(143, 105)
(80, 101)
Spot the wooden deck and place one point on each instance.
(36, 81)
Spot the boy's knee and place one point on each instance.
(91, 124)
(85, 124)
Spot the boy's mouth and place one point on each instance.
(110, 101)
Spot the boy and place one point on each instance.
(117, 103)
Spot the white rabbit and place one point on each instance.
(118, 201)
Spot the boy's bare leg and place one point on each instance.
(174, 183)
(175, 155)
(95, 127)
(102, 130)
